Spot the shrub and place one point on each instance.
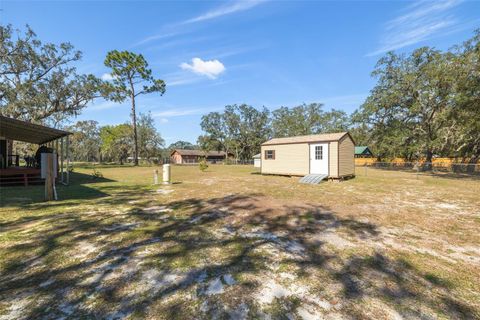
(203, 165)
(96, 174)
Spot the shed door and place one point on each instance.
(319, 158)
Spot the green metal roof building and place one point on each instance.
(363, 152)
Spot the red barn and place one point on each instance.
(184, 156)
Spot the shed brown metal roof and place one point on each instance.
(188, 152)
(305, 139)
(18, 130)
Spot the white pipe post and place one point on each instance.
(56, 156)
(54, 174)
(61, 161)
(155, 176)
(166, 174)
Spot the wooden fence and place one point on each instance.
(439, 162)
(419, 166)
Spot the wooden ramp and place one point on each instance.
(313, 178)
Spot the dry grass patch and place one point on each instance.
(229, 243)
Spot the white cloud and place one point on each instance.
(177, 113)
(107, 77)
(232, 7)
(180, 81)
(421, 21)
(156, 37)
(209, 68)
(226, 9)
(185, 42)
(182, 111)
(179, 78)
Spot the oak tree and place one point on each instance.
(38, 81)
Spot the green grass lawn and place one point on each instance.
(231, 243)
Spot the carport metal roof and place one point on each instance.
(18, 130)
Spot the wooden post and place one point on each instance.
(68, 159)
(49, 177)
(155, 176)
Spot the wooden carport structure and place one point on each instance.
(17, 130)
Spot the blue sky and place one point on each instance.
(259, 52)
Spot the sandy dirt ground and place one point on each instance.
(232, 244)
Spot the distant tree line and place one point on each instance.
(241, 129)
(424, 104)
(182, 145)
(114, 143)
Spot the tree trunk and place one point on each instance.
(134, 123)
(428, 160)
(472, 163)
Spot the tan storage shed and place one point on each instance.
(331, 154)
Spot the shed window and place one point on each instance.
(269, 154)
(318, 152)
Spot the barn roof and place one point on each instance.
(188, 152)
(362, 150)
(13, 129)
(257, 156)
(310, 138)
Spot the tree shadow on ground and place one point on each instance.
(168, 259)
